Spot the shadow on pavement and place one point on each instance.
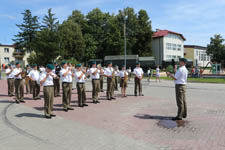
(31, 115)
(146, 116)
(5, 101)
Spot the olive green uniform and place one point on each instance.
(48, 99)
(19, 89)
(10, 82)
(181, 100)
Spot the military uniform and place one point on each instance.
(19, 85)
(116, 78)
(95, 76)
(80, 79)
(66, 78)
(10, 81)
(34, 76)
(56, 81)
(109, 73)
(28, 82)
(138, 72)
(48, 89)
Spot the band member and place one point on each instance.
(123, 80)
(19, 83)
(56, 80)
(110, 74)
(138, 72)
(34, 76)
(130, 73)
(95, 76)
(101, 79)
(10, 80)
(180, 79)
(28, 82)
(80, 78)
(46, 79)
(67, 79)
(157, 74)
(117, 71)
(149, 73)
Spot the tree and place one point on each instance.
(47, 45)
(72, 41)
(216, 49)
(143, 46)
(26, 37)
(90, 47)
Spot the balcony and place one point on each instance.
(18, 54)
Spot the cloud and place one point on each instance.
(7, 16)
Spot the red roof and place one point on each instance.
(162, 33)
(7, 45)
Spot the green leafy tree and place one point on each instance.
(143, 46)
(216, 49)
(90, 47)
(26, 37)
(72, 41)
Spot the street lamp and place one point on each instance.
(125, 41)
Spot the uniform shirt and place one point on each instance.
(149, 72)
(49, 80)
(17, 71)
(117, 72)
(138, 72)
(68, 78)
(97, 75)
(11, 75)
(34, 74)
(122, 73)
(157, 70)
(108, 71)
(181, 75)
(77, 75)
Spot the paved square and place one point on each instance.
(134, 123)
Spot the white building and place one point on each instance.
(167, 45)
(8, 54)
(197, 54)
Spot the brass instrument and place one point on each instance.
(23, 74)
(125, 76)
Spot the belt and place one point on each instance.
(49, 86)
(10, 78)
(95, 79)
(66, 82)
(19, 79)
(80, 82)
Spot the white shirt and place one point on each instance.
(157, 70)
(77, 75)
(117, 72)
(11, 75)
(34, 74)
(108, 71)
(68, 78)
(49, 80)
(17, 71)
(181, 75)
(122, 73)
(97, 75)
(138, 72)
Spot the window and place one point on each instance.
(178, 57)
(168, 46)
(168, 56)
(6, 59)
(174, 56)
(196, 53)
(178, 47)
(174, 47)
(6, 50)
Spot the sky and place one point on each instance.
(197, 20)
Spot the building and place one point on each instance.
(197, 54)
(167, 45)
(10, 55)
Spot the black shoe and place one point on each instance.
(176, 118)
(70, 108)
(81, 105)
(48, 117)
(97, 102)
(113, 98)
(102, 90)
(125, 96)
(53, 115)
(58, 95)
(65, 109)
(17, 101)
(141, 94)
(94, 102)
(185, 116)
(22, 101)
(85, 104)
(135, 94)
(109, 99)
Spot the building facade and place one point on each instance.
(10, 55)
(167, 45)
(197, 54)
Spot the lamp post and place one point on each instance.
(125, 41)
